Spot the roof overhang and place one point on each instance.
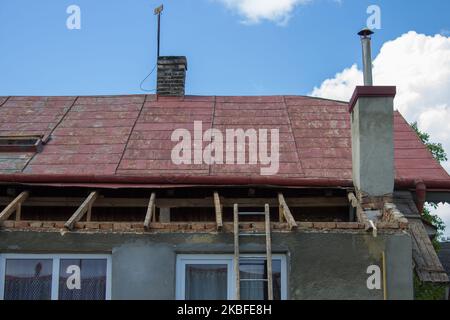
(438, 196)
(437, 190)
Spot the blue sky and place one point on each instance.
(116, 46)
(234, 47)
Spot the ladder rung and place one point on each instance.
(251, 213)
(254, 280)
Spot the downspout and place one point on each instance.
(421, 195)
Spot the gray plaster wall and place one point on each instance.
(373, 145)
(320, 265)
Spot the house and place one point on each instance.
(444, 256)
(92, 205)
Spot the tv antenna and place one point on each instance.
(158, 12)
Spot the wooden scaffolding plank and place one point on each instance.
(150, 211)
(269, 253)
(82, 210)
(218, 208)
(14, 206)
(236, 251)
(287, 212)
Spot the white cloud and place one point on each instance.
(254, 11)
(340, 87)
(444, 212)
(419, 66)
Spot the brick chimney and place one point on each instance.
(171, 76)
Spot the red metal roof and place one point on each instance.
(131, 136)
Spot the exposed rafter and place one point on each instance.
(85, 207)
(286, 212)
(218, 208)
(14, 206)
(150, 211)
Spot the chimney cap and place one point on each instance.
(366, 32)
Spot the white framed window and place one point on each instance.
(212, 277)
(55, 277)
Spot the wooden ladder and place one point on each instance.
(237, 255)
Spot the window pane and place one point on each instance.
(28, 279)
(83, 279)
(206, 282)
(254, 269)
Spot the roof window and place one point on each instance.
(20, 144)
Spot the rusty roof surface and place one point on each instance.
(131, 135)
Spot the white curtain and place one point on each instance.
(206, 282)
(255, 271)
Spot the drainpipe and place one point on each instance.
(421, 195)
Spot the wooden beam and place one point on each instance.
(281, 218)
(82, 210)
(19, 213)
(361, 215)
(287, 212)
(14, 206)
(181, 203)
(304, 202)
(150, 211)
(353, 200)
(218, 208)
(89, 212)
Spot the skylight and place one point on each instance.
(20, 144)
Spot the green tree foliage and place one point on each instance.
(437, 222)
(436, 149)
(428, 291)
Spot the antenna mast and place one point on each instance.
(158, 12)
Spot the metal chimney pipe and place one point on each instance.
(365, 35)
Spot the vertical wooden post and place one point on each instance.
(89, 213)
(385, 293)
(19, 212)
(281, 213)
